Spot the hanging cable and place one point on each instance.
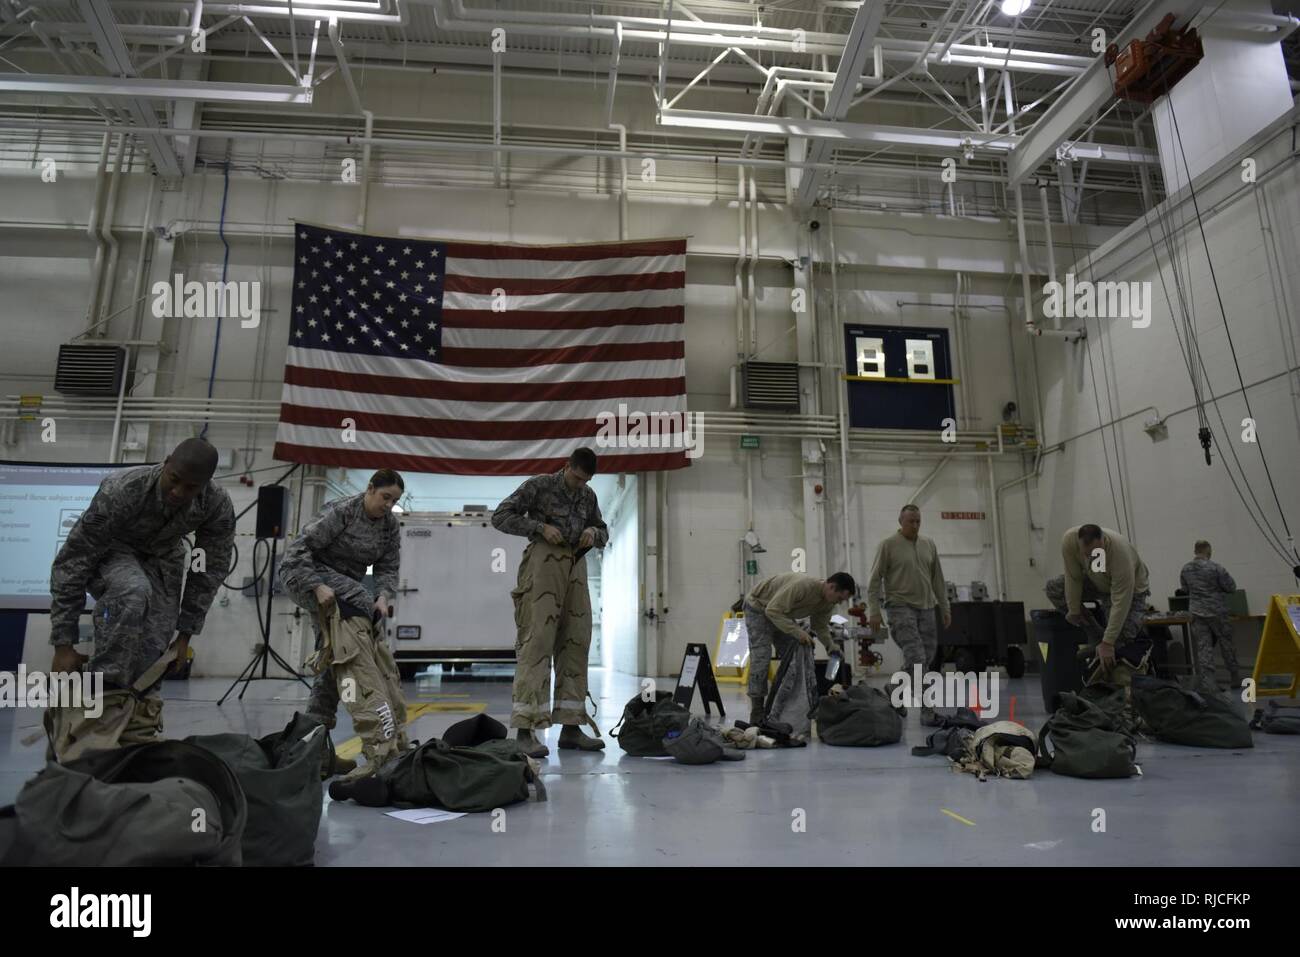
(225, 262)
(1228, 333)
(1096, 398)
(1195, 365)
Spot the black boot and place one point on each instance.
(370, 791)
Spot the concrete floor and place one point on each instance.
(877, 806)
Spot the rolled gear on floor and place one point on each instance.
(365, 672)
(700, 743)
(553, 627)
(127, 716)
(1003, 749)
(1277, 719)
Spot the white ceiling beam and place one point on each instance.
(848, 77)
(143, 88)
(1092, 91)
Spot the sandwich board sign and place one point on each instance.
(697, 672)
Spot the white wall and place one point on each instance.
(620, 582)
(1173, 497)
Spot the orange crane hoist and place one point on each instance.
(1147, 69)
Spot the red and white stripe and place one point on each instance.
(585, 329)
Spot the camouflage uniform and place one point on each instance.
(906, 579)
(335, 549)
(765, 640)
(1208, 586)
(1133, 621)
(552, 605)
(128, 550)
(914, 631)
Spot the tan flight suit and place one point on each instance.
(128, 716)
(552, 621)
(368, 683)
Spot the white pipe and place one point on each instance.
(753, 266)
(740, 263)
(915, 497)
(117, 413)
(137, 288)
(749, 489)
(109, 281)
(1047, 225)
(661, 546)
(997, 533)
(92, 230)
(622, 187)
(496, 119)
(840, 388)
(997, 498)
(363, 202)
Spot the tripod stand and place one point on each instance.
(266, 651)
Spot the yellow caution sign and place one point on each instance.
(1278, 663)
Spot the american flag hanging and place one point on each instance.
(479, 358)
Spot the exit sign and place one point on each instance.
(749, 441)
(751, 567)
(979, 516)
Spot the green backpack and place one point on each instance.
(861, 717)
(1088, 741)
(1179, 716)
(645, 724)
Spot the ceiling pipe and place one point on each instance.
(109, 280)
(92, 231)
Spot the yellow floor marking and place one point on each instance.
(352, 746)
(957, 816)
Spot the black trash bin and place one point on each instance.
(1057, 643)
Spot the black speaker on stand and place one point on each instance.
(272, 520)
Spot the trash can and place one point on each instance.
(1057, 643)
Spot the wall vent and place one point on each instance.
(90, 370)
(771, 386)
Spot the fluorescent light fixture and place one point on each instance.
(1013, 8)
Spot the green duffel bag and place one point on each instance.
(1179, 716)
(1086, 741)
(645, 724)
(280, 775)
(161, 804)
(860, 717)
(1277, 719)
(489, 775)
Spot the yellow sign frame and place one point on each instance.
(1279, 646)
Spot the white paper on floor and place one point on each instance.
(425, 815)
